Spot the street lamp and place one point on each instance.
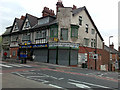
(109, 52)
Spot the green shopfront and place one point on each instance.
(63, 53)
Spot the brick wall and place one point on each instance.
(91, 62)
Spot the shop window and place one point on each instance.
(64, 34)
(14, 53)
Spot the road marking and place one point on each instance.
(42, 81)
(35, 76)
(15, 65)
(54, 86)
(60, 78)
(5, 65)
(80, 85)
(88, 83)
(18, 74)
(25, 65)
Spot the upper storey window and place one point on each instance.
(26, 25)
(16, 27)
(54, 31)
(80, 20)
(86, 28)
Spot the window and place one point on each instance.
(26, 36)
(86, 41)
(74, 31)
(64, 34)
(92, 31)
(92, 42)
(86, 28)
(14, 53)
(16, 27)
(53, 32)
(14, 38)
(80, 20)
(27, 25)
(41, 34)
(44, 34)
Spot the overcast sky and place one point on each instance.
(103, 12)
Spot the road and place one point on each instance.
(63, 77)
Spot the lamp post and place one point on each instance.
(109, 64)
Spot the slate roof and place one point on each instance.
(113, 51)
(19, 23)
(8, 29)
(76, 11)
(32, 19)
(46, 24)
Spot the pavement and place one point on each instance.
(14, 81)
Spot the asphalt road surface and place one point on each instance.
(63, 77)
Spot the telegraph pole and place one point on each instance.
(95, 50)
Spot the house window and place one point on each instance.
(92, 42)
(92, 31)
(86, 41)
(74, 32)
(86, 28)
(80, 20)
(44, 34)
(64, 34)
(41, 34)
(27, 25)
(14, 38)
(26, 36)
(53, 32)
(16, 27)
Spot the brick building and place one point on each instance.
(69, 38)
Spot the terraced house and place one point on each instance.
(68, 38)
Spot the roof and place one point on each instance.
(19, 23)
(46, 24)
(113, 51)
(76, 11)
(8, 29)
(32, 19)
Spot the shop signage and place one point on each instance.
(59, 44)
(40, 45)
(26, 46)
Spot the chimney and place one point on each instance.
(46, 12)
(59, 4)
(22, 17)
(112, 46)
(74, 7)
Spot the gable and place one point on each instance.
(86, 19)
(26, 24)
(15, 27)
